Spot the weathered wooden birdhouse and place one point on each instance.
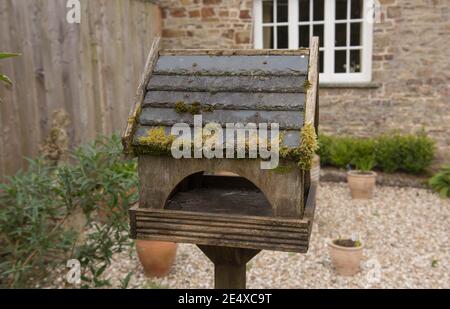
(222, 202)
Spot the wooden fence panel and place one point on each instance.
(90, 70)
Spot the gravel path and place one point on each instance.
(405, 232)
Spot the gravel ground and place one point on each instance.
(405, 232)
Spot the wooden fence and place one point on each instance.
(90, 70)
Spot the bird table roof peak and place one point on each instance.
(225, 86)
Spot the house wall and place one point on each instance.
(411, 64)
(207, 23)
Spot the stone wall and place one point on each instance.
(207, 23)
(411, 64)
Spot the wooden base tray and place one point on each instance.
(227, 230)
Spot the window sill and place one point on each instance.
(370, 85)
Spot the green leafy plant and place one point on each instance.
(364, 164)
(324, 151)
(342, 151)
(441, 182)
(35, 206)
(32, 216)
(3, 77)
(389, 153)
(417, 153)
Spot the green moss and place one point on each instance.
(208, 108)
(281, 169)
(180, 107)
(307, 85)
(304, 153)
(196, 108)
(156, 142)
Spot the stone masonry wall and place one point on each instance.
(411, 64)
(207, 23)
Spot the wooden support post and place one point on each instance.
(229, 265)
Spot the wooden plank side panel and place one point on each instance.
(223, 243)
(272, 222)
(313, 78)
(267, 84)
(84, 69)
(209, 229)
(128, 134)
(9, 135)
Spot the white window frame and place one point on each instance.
(329, 48)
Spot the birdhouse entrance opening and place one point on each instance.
(219, 193)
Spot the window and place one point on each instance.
(344, 28)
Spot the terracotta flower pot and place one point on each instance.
(346, 260)
(157, 257)
(361, 184)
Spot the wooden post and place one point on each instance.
(229, 265)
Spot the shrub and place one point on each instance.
(417, 153)
(32, 236)
(389, 153)
(34, 206)
(324, 150)
(441, 182)
(342, 151)
(348, 151)
(407, 153)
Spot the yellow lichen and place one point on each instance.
(304, 153)
(308, 146)
(157, 141)
(307, 85)
(181, 108)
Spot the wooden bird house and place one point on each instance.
(221, 202)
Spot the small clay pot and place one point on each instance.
(157, 257)
(346, 260)
(361, 184)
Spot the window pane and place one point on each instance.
(282, 37)
(304, 10)
(303, 36)
(268, 11)
(318, 9)
(340, 58)
(341, 9)
(341, 35)
(282, 11)
(357, 8)
(355, 61)
(321, 61)
(268, 37)
(318, 31)
(355, 34)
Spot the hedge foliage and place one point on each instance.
(389, 152)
